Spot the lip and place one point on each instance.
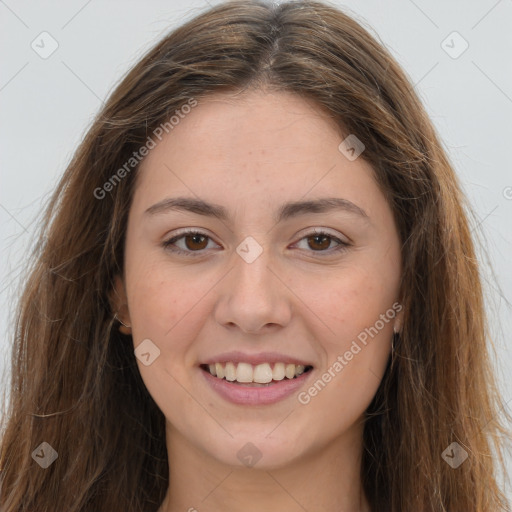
(255, 395)
(254, 359)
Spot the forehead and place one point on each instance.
(257, 143)
(253, 123)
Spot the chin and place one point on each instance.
(257, 452)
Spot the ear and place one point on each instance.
(119, 304)
(399, 318)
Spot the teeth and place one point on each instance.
(278, 371)
(244, 372)
(261, 373)
(219, 370)
(230, 372)
(289, 371)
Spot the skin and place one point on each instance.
(250, 153)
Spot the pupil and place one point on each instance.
(324, 237)
(195, 237)
(316, 239)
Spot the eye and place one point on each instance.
(320, 241)
(194, 242)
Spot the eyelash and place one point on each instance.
(168, 243)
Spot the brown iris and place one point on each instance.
(324, 237)
(196, 237)
(197, 242)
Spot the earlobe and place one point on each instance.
(397, 326)
(119, 305)
(123, 328)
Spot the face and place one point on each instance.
(259, 284)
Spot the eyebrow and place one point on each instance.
(286, 211)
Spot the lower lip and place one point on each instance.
(255, 395)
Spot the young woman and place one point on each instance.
(255, 289)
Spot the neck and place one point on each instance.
(327, 480)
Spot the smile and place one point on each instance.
(242, 383)
(264, 373)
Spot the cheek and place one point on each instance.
(357, 308)
(357, 350)
(339, 403)
(165, 305)
(354, 299)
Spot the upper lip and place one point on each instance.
(259, 358)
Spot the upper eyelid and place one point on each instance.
(189, 231)
(302, 234)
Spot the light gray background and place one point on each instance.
(47, 104)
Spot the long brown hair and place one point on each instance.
(75, 382)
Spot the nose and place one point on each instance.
(254, 296)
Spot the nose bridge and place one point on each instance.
(253, 296)
(252, 269)
(252, 279)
